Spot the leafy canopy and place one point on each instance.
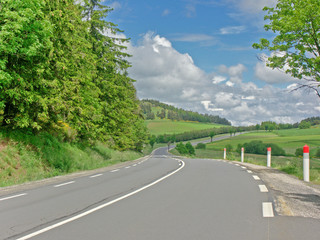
(296, 46)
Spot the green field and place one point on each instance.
(158, 127)
(289, 140)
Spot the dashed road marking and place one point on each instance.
(116, 170)
(267, 209)
(263, 188)
(128, 167)
(256, 177)
(249, 171)
(36, 233)
(63, 184)
(15, 196)
(243, 167)
(134, 165)
(98, 175)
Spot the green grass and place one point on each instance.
(25, 157)
(289, 140)
(160, 127)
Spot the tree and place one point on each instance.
(25, 46)
(212, 135)
(304, 125)
(296, 48)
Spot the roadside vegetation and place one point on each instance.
(287, 142)
(25, 157)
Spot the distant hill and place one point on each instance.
(153, 109)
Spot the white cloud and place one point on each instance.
(166, 12)
(251, 6)
(232, 30)
(115, 5)
(270, 75)
(164, 74)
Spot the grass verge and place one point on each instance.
(25, 157)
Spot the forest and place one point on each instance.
(64, 71)
(173, 113)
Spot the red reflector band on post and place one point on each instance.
(306, 149)
(269, 149)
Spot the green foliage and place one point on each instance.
(181, 148)
(190, 148)
(304, 125)
(201, 146)
(317, 153)
(296, 47)
(258, 147)
(60, 71)
(299, 152)
(229, 148)
(174, 113)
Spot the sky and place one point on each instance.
(198, 55)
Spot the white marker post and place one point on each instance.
(269, 157)
(242, 155)
(306, 164)
(225, 154)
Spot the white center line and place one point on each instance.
(63, 184)
(15, 196)
(98, 175)
(267, 209)
(256, 177)
(263, 188)
(116, 170)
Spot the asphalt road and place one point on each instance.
(160, 197)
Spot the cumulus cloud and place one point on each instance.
(164, 74)
(269, 75)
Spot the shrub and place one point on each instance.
(258, 147)
(190, 148)
(181, 148)
(318, 153)
(229, 148)
(201, 146)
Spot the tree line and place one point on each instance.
(173, 113)
(62, 70)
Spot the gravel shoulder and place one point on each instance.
(293, 197)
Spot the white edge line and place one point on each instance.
(99, 207)
(116, 170)
(267, 209)
(98, 175)
(263, 188)
(63, 184)
(15, 196)
(249, 171)
(256, 177)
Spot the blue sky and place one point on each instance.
(197, 54)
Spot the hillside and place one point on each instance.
(153, 109)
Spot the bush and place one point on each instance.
(201, 146)
(190, 148)
(258, 147)
(229, 148)
(318, 153)
(299, 152)
(181, 148)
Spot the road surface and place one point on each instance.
(160, 197)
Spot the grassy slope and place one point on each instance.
(24, 157)
(165, 126)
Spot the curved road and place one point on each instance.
(160, 197)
